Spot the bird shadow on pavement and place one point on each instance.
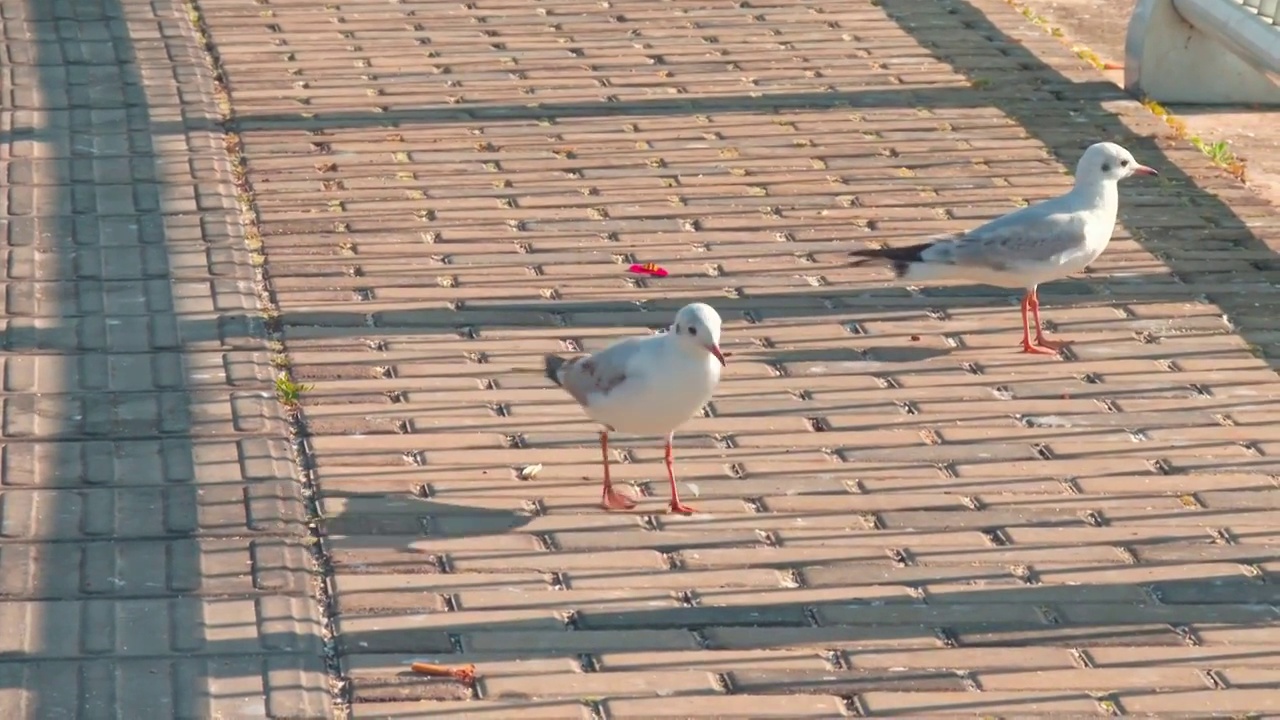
(883, 354)
(372, 513)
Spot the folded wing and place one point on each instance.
(590, 378)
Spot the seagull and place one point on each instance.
(1029, 246)
(646, 386)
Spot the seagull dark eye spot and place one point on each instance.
(693, 330)
(1106, 167)
(1124, 163)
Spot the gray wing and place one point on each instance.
(591, 377)
(1015, 240)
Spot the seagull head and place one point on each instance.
(1108, 162)
(697, 326)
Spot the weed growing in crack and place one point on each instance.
(1219, 153)
(288, 392)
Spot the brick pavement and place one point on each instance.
(896, 525)
(151, 557)
(902, 514)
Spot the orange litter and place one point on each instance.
(463, 674)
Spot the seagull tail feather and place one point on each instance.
(899, 258)
(552, 366)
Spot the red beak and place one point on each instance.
(1144, 170)
(715, 350)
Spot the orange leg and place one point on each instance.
(1041, 340)
(611, 499)
(1027, 345)
(676, 506)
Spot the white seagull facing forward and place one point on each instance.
(646, 386)
(1030, 246)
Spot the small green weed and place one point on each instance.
(289, 392)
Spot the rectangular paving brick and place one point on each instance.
(842, 682)
(673, 580)
(1250, 701)
(581, 641)
(762, 614)
(669, 681)
(1234, 632)
(852, 637)
(815, 706)
(1053, 703)
(1068, 636)
(977, 659)
(1091, 680)
(480, 561)
(716, 660)
(1240, 655)
(856, 574)
(495, 709)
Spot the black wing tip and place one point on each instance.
(552, 365)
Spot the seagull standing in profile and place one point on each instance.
(1029, 246)
(646, 386)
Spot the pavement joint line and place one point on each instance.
(288, 392)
